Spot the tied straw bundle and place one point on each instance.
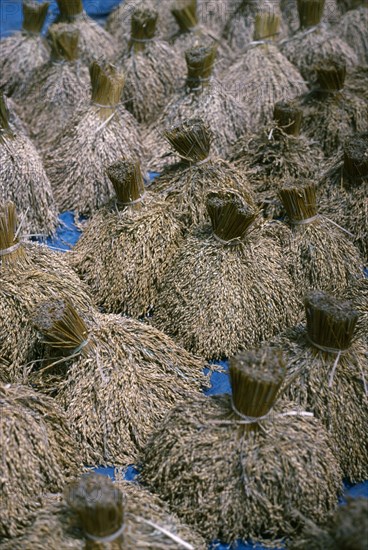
(23, 178)
(346, 529)
(55, 89)
(94, 42)
(227, 288)
(315, 41)
(121, 377)
(332, 110)
(357, 294)
(25, 50)
(15, 116)
(262, 75)
(275, 155)
(344, 190)
(127, 245)
(327, 374)
(99, 133)
(152, 68)
(353, 29)
(240, 466)
(186, 184)
(201, 97)
(296, 14)
(37, 455)
(28, 272)
(320, 254)
(96, 513)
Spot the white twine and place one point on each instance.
(10, 250)
(136, 201)
(307, 221)
(337, 351)
(102, 126)
(142, 40)
(80, 347)
(109, 538)
(231, 242)
(170, 535)
(254, 419)
(101, 106)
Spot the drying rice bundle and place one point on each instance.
(227, 288)
(15, 116)
(37, 454)
(186, 184)
(319, 254)
(96, 513)
(127, 246)
(28, 272)
(357, 81)
(327, 374)
(98, 134)
(56, 88)
(315, 41)
(344, 190)
(241, 466)
(332, 111)
(262, 75)
(201, 97)
(327, 11)
(152, 69)
(94, 42)
(23, 178)
(353, 29)
(347, 529)
(122, 377)
(25, 50)
(275, 155)
(357, 294)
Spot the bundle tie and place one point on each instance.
(10, 250)
(314, 28)
(103, 106)
(201, 162)
(231, 242)
(136, 201)
(173, 537)
(142, 40)
(80, 347)
(338, 353)
(109, 538)
(254, 419)
(307, 221)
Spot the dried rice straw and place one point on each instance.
(127, 246)
(353, 29)
(239, 466)
(152, 69)
(25, 50)
(122, 377)
(28, 272)
(320, 255)
(275, 155)
(332, 111)
(23, 178)
(357, 294)
(37, 455)
(347, 529)
(98, 134)
(315, 41)
(201, 97)
(94, 42)
(328, 374)
(327, 11)
(56, 88)
(344, 190)
(262, 75)
(15, 116)
(186, 184)
(227, 288)
(95, 507)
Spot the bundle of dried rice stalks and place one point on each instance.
(127, 246)
(23, 178)
(344, 190)
(185, 185)
(315, 41)
(98, 134)
(332, 111)
(326, 11)
(319, 254)
(122, 377)
(37, 454)
(152, 69)
(276, 154)
(95, 512)
(94, 42)
(201, 97)
(15, 115)
(25, 50)
(328, 373)
(262, 75)
(347, 529)
(240, 466)
(28, 272)
(357, 81)
(357, 294)
(227, 288)
(56, 88)
(353, 29)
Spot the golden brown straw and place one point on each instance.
(266, 25)
(310, 12)
(9, 238)
(230, 215)
(185, 13)
(127, 179)
(64, 42)
(331, 75)
(34, 15)
(69, 9)
(107, 84)
(191, 139)
(299, 202)
(143, 28)
(200, 61)
(356, 159)
(288, 117)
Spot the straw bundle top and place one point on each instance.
(288, 117)
(266, 26)
(143, 28)
(256, 377)
(10, 245)
(299, 202)
(185, 14)
(34, 15)
(107, 86)
(64, 42)
(127, 180)
(200, 62)
(331, 73)
(70, 9)
(356, 158)
(230, 216)
(191, 139)
(310, 12)
(330, 322)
